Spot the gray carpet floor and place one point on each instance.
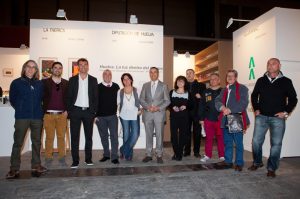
(186, 179)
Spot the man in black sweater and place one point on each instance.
(195, 89)
(107, 117)
(273, 99)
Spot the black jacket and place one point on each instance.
(207, 109)
(274, 97)
(73, 92)
(194, 88)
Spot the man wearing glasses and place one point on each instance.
(55, 118)
(25, 96)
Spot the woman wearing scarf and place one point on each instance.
(233, 101)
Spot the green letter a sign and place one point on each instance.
(251, 66)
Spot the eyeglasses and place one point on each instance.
(57, 87)
(30, 67)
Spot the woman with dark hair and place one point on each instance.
(179, 118)
(129, 108)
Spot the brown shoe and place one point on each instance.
(39, 169)
(271, 174)
(147, 159)
(13, 174)
(224, 165)
(255, 167)
(160, 160)
(238, 168)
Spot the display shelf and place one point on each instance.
(217, 58)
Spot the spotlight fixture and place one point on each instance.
(23, 47)
(187, 54)
(61, 14)
(231, 20)
(133, 19)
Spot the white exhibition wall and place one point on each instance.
(274, 34)
(181, 63)
(11, 59)
(132, 48)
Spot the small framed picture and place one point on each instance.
(8, 72)
(46, 65)
(73, 67)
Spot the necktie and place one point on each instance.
(153, 89)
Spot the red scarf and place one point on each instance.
(238, 97)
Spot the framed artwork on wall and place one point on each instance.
(73, 67)
(46, 64)
(8, 72)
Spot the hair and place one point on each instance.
(82, 60)
(275, 59)
(190, 70)
(153, 67)
(215, 74)
(107, 70)
(129, 76)
(183, 78)
(232, 71)
(57, 62)
(36, 74)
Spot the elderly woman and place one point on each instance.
(232, 103)
(129, 115)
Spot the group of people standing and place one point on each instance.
(50, 102)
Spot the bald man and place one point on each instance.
(273, 99)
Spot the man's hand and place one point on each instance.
(65, 113)
(153, 109)
(198, 96)
(226, 111)
(281, 115)
(257, 112)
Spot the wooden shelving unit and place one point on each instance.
(217, 58)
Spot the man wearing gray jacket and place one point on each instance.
(154, 99)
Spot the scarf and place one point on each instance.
(238, 97)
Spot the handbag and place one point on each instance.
(235, 122)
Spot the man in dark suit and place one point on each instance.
(82, 104)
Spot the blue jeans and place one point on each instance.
(237, 138)
(277, 128)
(131, 133)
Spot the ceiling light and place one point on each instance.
(61, 14)
(230, 21)
(133, 19)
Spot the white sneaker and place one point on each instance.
(204, 159)
(222, 158)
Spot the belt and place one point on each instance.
(81, 108)
(54, 113)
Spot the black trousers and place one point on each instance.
(195, 130)
(87, 118)
(179, 129)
